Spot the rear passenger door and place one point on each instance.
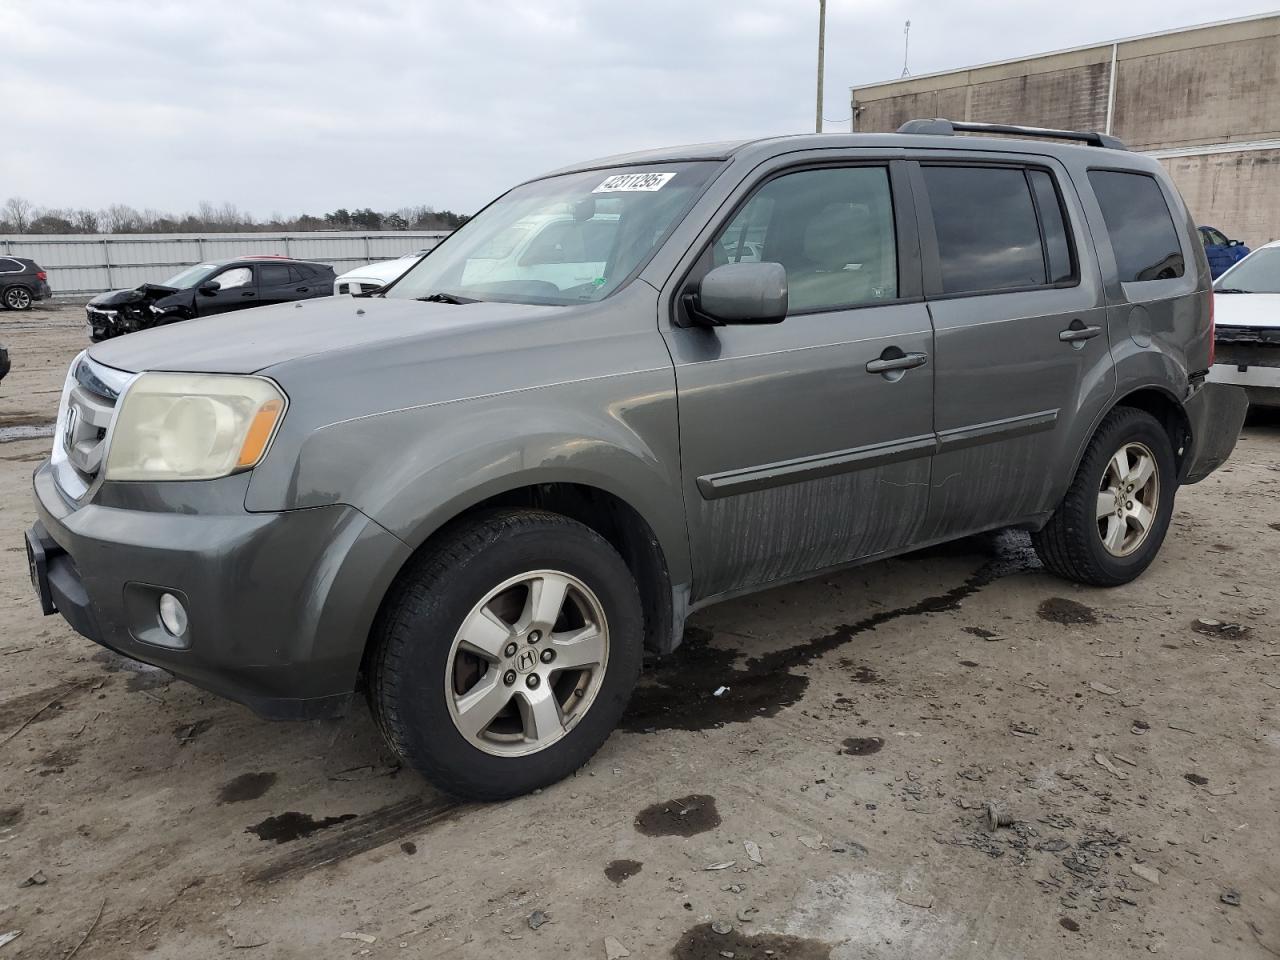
(279, 283)
(800, 448)
(1020, 352)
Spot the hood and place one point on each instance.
(247, 341)
(141, 294)
(1246, 310)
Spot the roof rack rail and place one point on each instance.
(947, 128)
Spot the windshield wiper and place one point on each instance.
(1229, 290)
(441, 296)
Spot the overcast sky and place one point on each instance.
(306, 105)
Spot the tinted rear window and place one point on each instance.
(985, 221)
(273, 274)
(1057, 246)
(1139, 224)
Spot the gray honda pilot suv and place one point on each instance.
(620, 393)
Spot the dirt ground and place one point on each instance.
(829, 804)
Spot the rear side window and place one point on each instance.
(273, 274)
(1057, 247)
(1140, 226)
(985, 222)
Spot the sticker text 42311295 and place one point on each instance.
(630, 182)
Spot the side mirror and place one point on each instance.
(741, 293)
(1234, 243)
(209, 287)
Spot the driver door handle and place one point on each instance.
(247, 293)
(905, 362)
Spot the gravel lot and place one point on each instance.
(831, 804)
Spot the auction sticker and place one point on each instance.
(630, 182)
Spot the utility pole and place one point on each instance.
(906, 48)
(822, 40)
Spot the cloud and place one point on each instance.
(295, 105)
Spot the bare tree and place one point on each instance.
(18, 212)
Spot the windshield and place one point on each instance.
(1257, 273)
(569, 239)
(189, 276)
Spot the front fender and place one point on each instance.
(415, 469)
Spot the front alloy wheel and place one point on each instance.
(505, 653)
(527, 663)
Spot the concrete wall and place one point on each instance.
(1201, 87)
(1239, 193)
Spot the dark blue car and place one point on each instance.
(1222, 253)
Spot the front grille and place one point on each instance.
(84, 421)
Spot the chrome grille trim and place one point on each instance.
(85, 416)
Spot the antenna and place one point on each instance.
(906, 48)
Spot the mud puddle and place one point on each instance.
(1064, 611)
(619, 871)
(682, 817)
(863, 746)
(703, 943)
(287, 827)
(679, 691)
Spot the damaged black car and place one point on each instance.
(205, 289)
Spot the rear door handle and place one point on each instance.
(247, 293)
(904, 362)
(302, 290)
(1078, 332)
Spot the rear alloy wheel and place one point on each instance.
(505, 653)
(1127, 499)
(17, 298)
(1114, 517)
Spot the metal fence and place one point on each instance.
(85, 264)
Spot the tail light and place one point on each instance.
(1213, 340)
(41, 275)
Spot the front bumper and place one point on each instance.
(1215, 413)
(280, 604)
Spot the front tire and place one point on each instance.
(504, 657)
(17, 298)
(1114, 517)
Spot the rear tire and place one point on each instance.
(504, 657)
(17, 298)
(1114, 517)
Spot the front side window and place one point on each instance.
(573, 238)
(1212, 238)
(1140, 226)
(831, 228)
(189, 277)
(235, 277)
(988, 234)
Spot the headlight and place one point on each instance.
(192, 426)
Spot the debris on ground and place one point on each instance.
(722, 865)
(537, 919)
(1102, 760)
(722, 928)
(1103, 688)
(614, 950)
(1230, 897)
(9, 937)
(1149, 874)
(753, 851)
(37, 879)
(360, 937)
(915, 898)
(813, 843)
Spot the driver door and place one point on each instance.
(237, 289)
(797, 451)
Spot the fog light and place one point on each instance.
(173, 614)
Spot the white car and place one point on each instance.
(1246, 313)
(370, 276)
